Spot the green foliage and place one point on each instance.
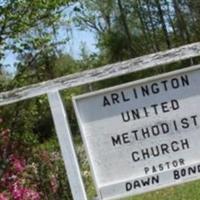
(114, 46)
(31, 116)
(188, 191)
(127, 29)
(28, 166)
(51, 173)
(27, 28)
(86, 172)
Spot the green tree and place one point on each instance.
(21, 18)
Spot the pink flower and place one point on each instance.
(20, 193)
(5, 135)
(16, 191)
(6, 131)
(3, 197)
(30, 195)
(54, 184)
(18, 164)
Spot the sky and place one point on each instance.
(78, 39)
(73, 47)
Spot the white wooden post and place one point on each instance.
(66, 144)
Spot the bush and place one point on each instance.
(30, 171)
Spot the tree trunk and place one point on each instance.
(152, 26)
(145, 29)
(195, 17)
(126, 28)
(183, 31)
(162, 21)
(170, 18)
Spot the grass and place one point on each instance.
(188, 191)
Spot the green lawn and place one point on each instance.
(188, 191)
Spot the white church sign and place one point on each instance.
(144, 135)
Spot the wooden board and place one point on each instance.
(101, 73)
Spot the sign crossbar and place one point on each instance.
(101, 73)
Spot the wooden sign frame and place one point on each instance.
(52, 88)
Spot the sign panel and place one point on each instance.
(143, 135)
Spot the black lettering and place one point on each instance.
(175, 163)
(175, 125)
(175, 83)
(145, 153)
(145, 90)
(145, 132)
(165, 128)
(125, 138)
(182, 161)
(185, 123)
(135, 156)
(155, 151)
(135, 93)
(136, 184)
(176, 174)
(174, 146)
(185, 144)
(124, 97)
(135, 114)
(146, 170)
(164, 84)
(154, 169)
(128, 186)
(175, 104)
(194, 117)
(185, 80)
(183, 172)
(125, 116)
(155, 179)
(145, 182)
(146, 113)
(155, 88)
(116, 140)
(192, 170)
(164, 148)
(115, 98)
(164, 107)
(154, 106)
(186, 171)
(105, 102)
(161, 167)
(155, 130)
(168, 165)
(135, 134)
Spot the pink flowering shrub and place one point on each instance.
(19, 192)
(13, 167)
(3, 196)
(30, 171)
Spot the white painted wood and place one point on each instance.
(166, 179)
(174, 124)
(66, 145)
(102, 73)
